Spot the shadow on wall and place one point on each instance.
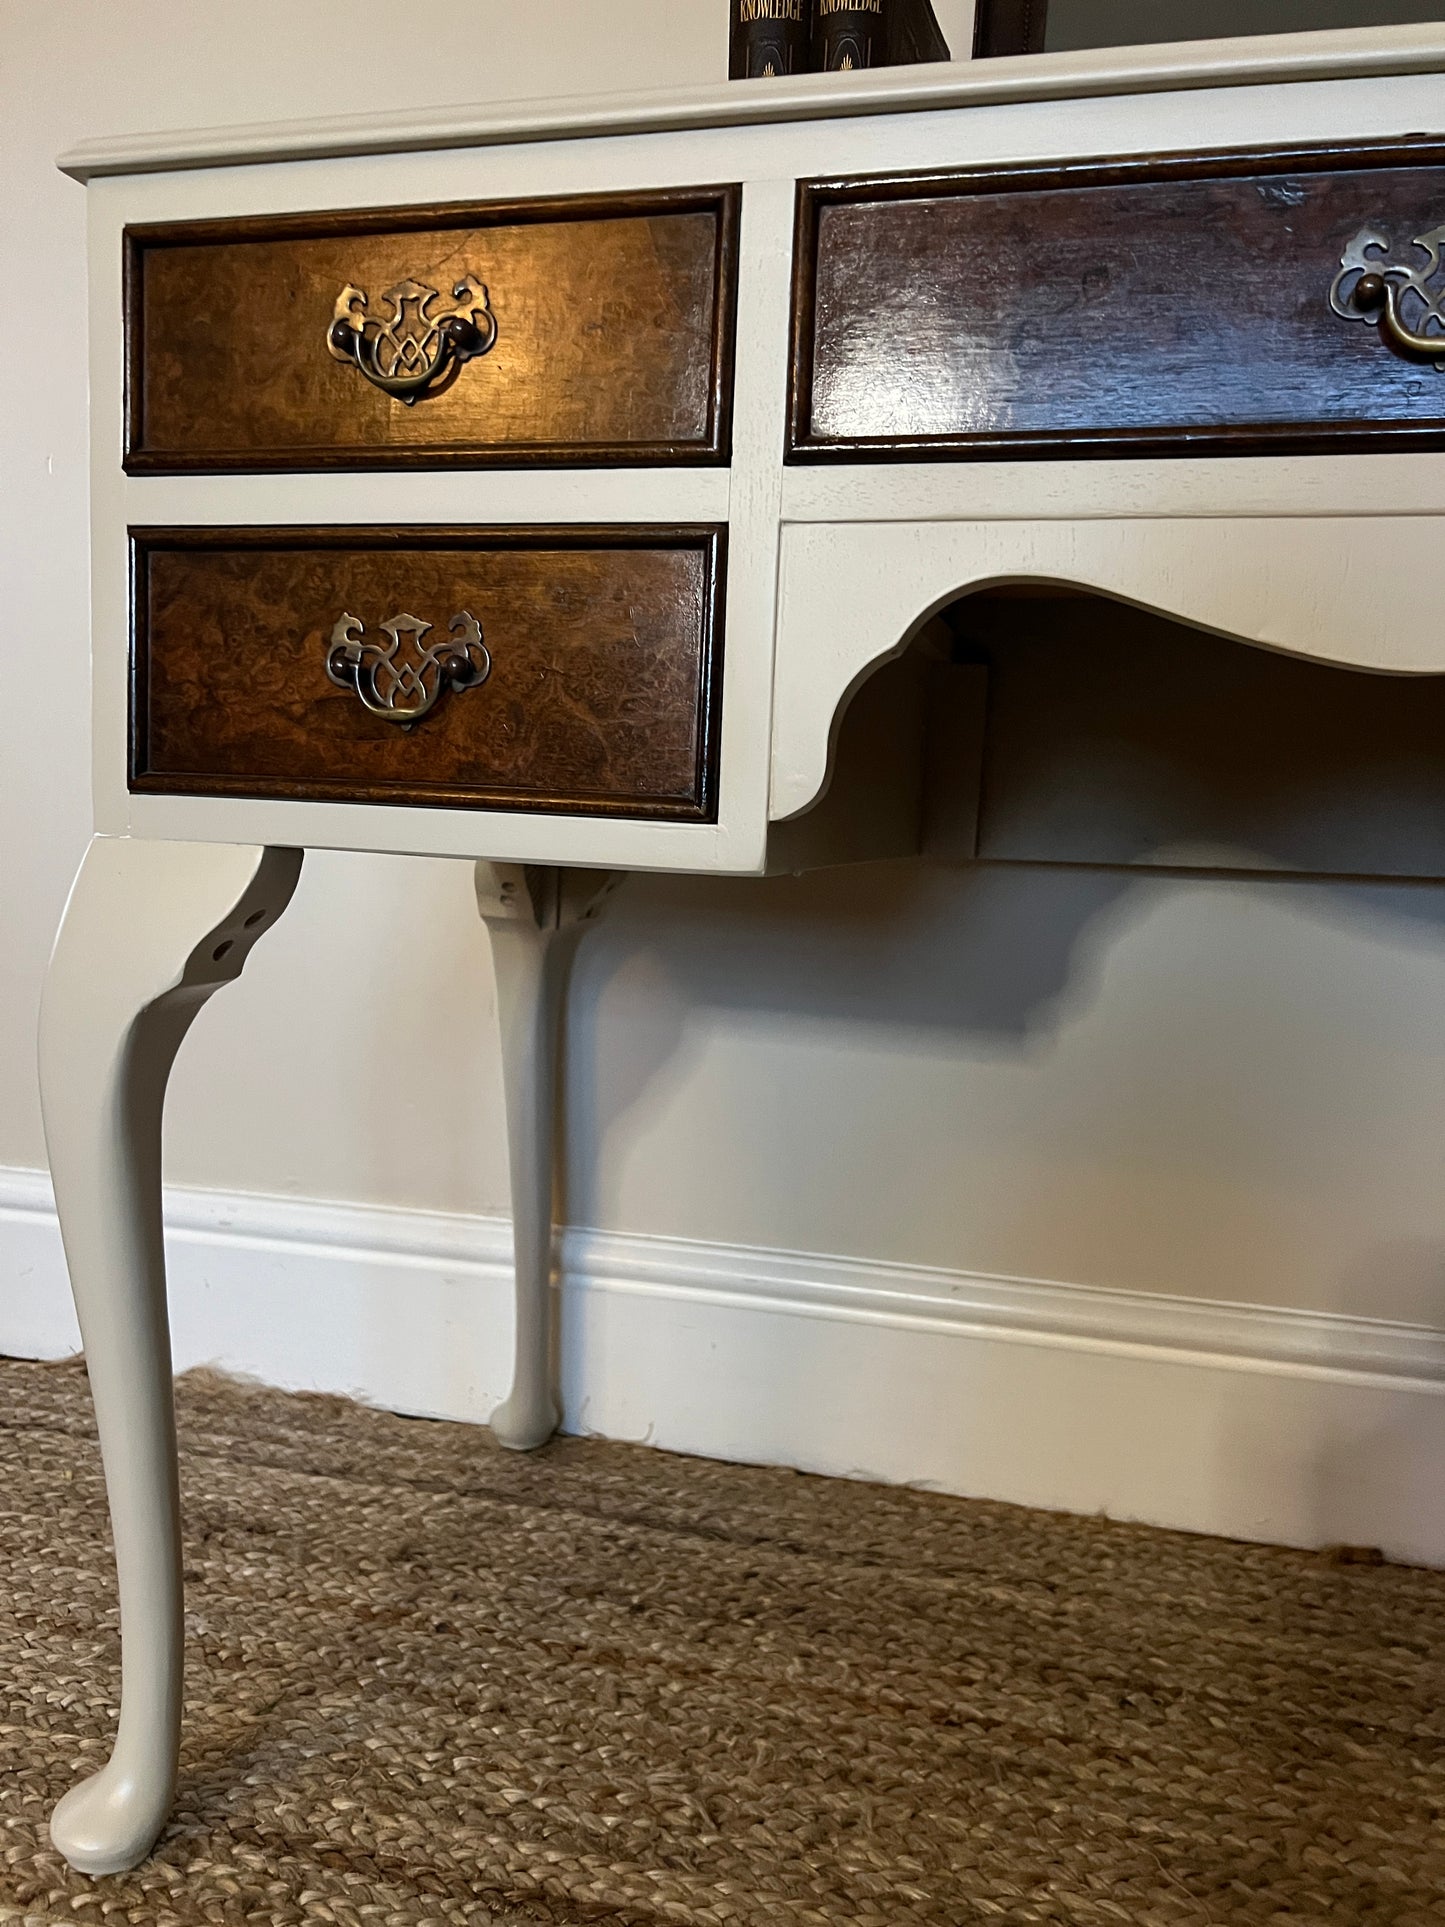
(991, 950)
(1007, 958)
(866, 941)
(997, 960)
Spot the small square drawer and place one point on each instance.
(566, 670)
(1217, 304)
(582, 333)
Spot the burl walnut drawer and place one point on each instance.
(583, 332)
(566, 670)
(1181, 305)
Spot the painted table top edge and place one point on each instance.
(1344, 54)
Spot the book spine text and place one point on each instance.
(769, 37)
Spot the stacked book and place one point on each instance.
(829, 36)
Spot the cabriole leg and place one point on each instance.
(150, 931)
(529, 914)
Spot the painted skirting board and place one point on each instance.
(1296, 1427)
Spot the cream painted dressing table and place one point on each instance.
(540, 487)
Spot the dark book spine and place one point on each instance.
(849, 33)
(914, 33)
(768, 37)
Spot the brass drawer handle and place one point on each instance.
(1371, 287)
(400, 680)
(413, 351)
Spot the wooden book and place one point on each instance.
(769, 37)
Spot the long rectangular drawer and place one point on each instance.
(1179, 305)
(562, 669)
(586, 332)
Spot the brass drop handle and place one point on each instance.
(416, 349)
(1373, 291)
(400, 680)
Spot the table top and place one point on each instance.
(1352, 53)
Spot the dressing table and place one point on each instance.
(574, 489)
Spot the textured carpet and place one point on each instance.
(432, 1682)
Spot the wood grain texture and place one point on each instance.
(615, 337)
(602, 697)
(1174, 305)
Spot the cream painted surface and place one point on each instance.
(1217, 1090)
(1103, 74)
(107, 1042)
(851, 595)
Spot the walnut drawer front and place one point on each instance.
(1183, 305)
(564, 670)
(584, 332)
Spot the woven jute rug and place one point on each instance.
(433, 1682)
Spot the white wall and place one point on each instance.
(117, 66)
(1220, 1091)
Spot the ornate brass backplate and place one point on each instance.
(416, 348)
(401, 679)
(1406, 298)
